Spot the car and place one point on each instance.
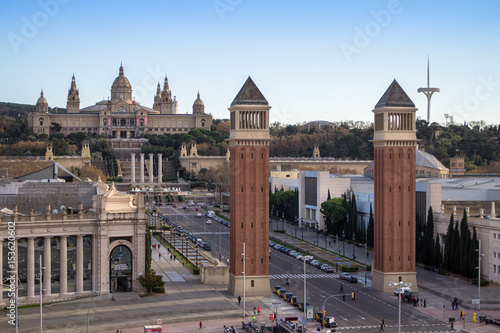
(352, 279)
(344, 275)
(282, 292)
(276, 289)
(319, 316)
(327, 269)
(185, 207)
(314, 263)
(299, 256)
(292, 253)
(198, 215)
(403, 290)
(207, 247)
(208, 221)
(174, 205)
(329, 322)
(288, 297)
(293, 301)
(301, 306)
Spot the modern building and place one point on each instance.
(85, 249)
(395, 143)
(249, 185)
(120, 116)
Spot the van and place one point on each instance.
(210, 213)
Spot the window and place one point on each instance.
(435, 175)
(428, 174)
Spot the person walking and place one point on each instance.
(201, 325)
(239, 300)
(425, 303)
(353, 296)
(382, 325)
(341, 288)
(462, 314)
(254, 311)
(258, 310)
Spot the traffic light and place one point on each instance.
(324, 313)
(271, 316)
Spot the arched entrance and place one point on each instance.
(120, 269)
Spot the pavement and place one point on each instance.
(187, 302)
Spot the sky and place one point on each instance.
(313, 60)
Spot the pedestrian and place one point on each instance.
(254, 311)
(258, 310)
(462, 315)
(170, 257)
(159, 255)
(343, 297)
(341, 288)
(425, 303)
(253, 319)
(382, 325)
(353, 296)
(201, 325)
(239, 300)
(452, 325)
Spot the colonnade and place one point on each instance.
(141, 168)
(32, 272)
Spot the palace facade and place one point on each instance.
(120, 116)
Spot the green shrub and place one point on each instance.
(114, 179)
(484, 283)
(347, 268)
(427, 268)
(441, 272)
(152, 282)
(369, 268)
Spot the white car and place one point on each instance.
(208, 221)
(198, 215)
(344, 276)
(299, 256)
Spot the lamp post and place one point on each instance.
(88, 309)
(479, 276)
(399, 284)
(366, 260)
(305, 298)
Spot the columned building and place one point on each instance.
(395, 143)
(101, 249)
(249, 185)
(120, 116)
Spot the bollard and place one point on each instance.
(473, 317)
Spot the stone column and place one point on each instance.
(132, 157)
(47, 274)
(160, 166)
(79, 264)
(31, 266)
(142, 167)
(64, 265)
(151, 173)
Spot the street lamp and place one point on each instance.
(399, 284)
(88, 309)
(479, 276)
(244, 258)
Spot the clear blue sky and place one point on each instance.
(313, 60)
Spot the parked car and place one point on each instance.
(314, 263)
(293, 301)
(301, 306)
(403, 290)
(288, 297)
(281, 292)
(276, 289)
(344, 275)
(327, 269)
(299, 256)
(329, 322)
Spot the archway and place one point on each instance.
(120, 269)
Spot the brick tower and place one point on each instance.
(249, 185)
(395, 142)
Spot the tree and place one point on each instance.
(148, 251)
(370, 232)
(428, 246)
(334, 211)
(329, 196)
(150, 281)
(449, 245)
(455, 259)
(438, 258)
(464, 247)
(92, 172)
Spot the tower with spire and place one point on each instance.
(167, 105)
(428, 91)
(157, 99)
(395, 144)
(73, 103)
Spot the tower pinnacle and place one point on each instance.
(428, 91)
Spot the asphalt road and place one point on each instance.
(364, 313)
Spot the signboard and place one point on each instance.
(271, 316)
(475, 301)
(276, 306)
(121, 267)
(158, 321)
(310, 312)
(152, 329)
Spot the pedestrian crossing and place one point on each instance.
(210, 233)
(404, 328)
(301, 276)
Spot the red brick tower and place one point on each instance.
(249, 185)
(395, 143)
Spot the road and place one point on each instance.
(364, 313)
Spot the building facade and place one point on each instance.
(98, 250)
(394, 142)
(120, 116)
(249, 186)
